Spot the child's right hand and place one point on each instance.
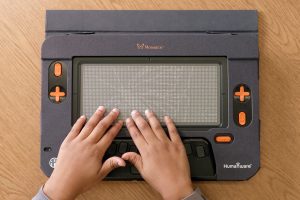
(162, 161)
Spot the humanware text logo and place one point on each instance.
(237, 166)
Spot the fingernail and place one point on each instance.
(82, 117)
(134, 112)
(128, 120)
(147, 112)
(116, 110)
(101, 108)
(120, 163)
(167, 117)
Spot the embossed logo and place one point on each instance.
(52, 162)
(237, 166)
(143, 46)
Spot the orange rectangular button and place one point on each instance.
(57, 69)
(242, 118)
(223, 139)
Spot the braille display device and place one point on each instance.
(199, 67)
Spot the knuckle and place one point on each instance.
(65, 144)
(134, 134)
(173, 130)
(156, 126)
(164, 143)
(134, 159)
(112, 115)
(132, 130)
(143, 125)
(151, 116)
(107, 121)
(170, 123)
(95, 152)
(154, 148)
(91, 124)
(166, 146)
(73, 129)
(98, 114)
(112, 164)
(99, 153)
(130, 125)
(103, 125)
(109, 136)
(177, 148)
(148, 152)
(78, 122)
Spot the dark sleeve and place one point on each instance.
(196, 195)
(40, 195)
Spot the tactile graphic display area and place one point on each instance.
(189, 93)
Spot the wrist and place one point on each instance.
(179, 193)
(54, 190)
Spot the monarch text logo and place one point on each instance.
(143, 46)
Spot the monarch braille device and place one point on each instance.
(199, 67)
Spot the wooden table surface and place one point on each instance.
(22, 25)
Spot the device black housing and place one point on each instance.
(229, 34)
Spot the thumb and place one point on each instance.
(111, 164)
(135, 159)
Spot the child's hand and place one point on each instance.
(79, 163)
(162, 161)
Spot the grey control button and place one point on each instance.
(123, 147)
(200, 151)
(133, 170)
(133, 148)
(112, 149)
(188, 148)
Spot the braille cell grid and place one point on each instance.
(189, 93)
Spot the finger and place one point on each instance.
(174, 136)
(143, 126)
(92, 122)
(76, 128)
(136, 135)
(111, 164)
(108, 137)
(103, 125)
(134, 159)
(155, 125)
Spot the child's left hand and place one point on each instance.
(79, 163)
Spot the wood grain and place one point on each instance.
(22, 33)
